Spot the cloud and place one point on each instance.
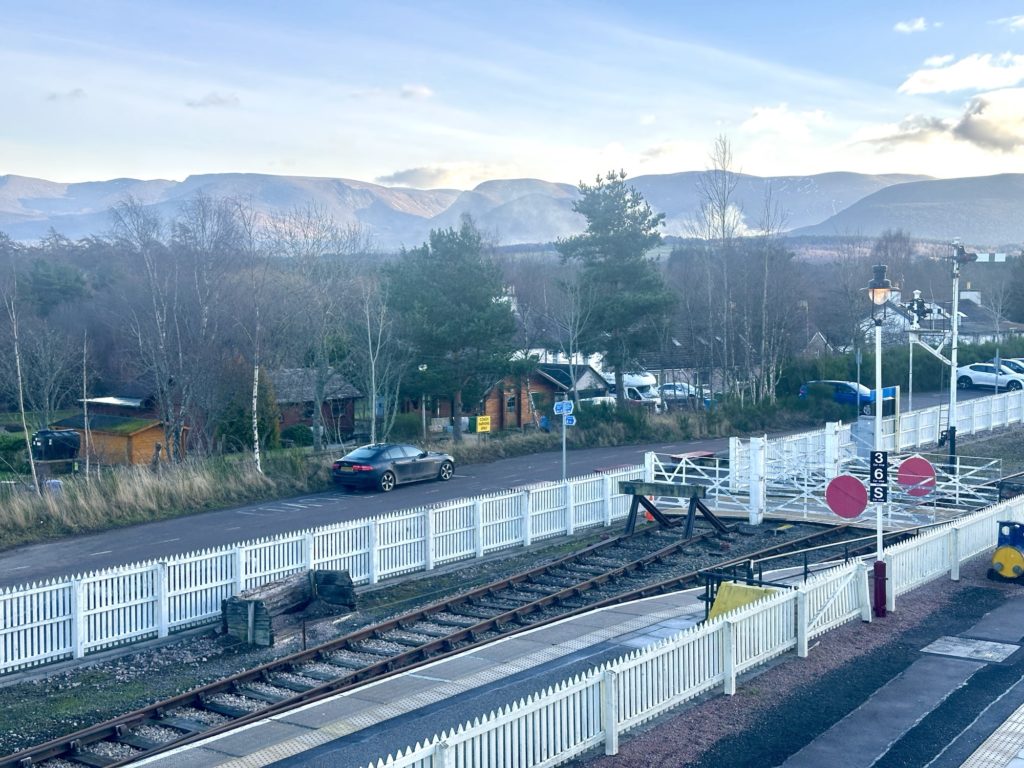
(415, 92)
(910, 27)
(994, 120)
(991, 121)
(977, 72)
(214, 99)
(420, 178)
(783, 121)
(648, 119)
(1012, 22)
(939, 61)
(74, 93)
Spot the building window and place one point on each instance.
(510, 403)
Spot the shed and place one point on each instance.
(120, 439)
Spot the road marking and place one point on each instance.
(19, 568)
(167, 541)
(297, 506)
(104, 552)
(234, 528)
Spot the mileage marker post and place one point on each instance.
(878, 494)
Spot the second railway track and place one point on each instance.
(620, 569)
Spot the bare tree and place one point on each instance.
(9, 295)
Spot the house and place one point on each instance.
(294, 392)
(978, 324)
(513, 403)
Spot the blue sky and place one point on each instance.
(448, 94)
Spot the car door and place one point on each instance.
(404, 463)
(420, 465)
(984, 375)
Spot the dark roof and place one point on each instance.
(297, 385)
(116, 425)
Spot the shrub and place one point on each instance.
(297, 434)
(407, 427)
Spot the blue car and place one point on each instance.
(849, 393)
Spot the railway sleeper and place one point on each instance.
(139, 742)
(226, 709)
(410, 639)
(453, 620)
(93, 759)
(327, 677)
(500, 606)
(477, 611)
(252, 693)
(292, 685)
(183, 724)
(582, 569)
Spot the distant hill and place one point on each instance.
(985, 211)
(519, 211)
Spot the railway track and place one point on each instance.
(653, 561)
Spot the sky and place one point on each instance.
(449, 94)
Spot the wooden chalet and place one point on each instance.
(511, 403)
(122, 430)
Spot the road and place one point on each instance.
(152, 541)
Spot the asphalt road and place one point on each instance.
(152, 541)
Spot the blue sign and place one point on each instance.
(570, 420)
(563, 407)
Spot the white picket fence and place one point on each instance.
(69, 618)
(595, 708)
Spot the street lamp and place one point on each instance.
(422, 368)
(879, 290)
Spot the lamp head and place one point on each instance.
(879, 288)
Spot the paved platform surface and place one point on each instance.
(355, 728)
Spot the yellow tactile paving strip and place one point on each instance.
(1003, 748)
(373, 714)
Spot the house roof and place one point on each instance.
(113, 425)
(298, 385)
(560, 374)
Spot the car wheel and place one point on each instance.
(1013, 386)
(446, 471)
(387, 481)
(964, 382)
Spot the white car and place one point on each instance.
(986, 375)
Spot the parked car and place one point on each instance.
(385, 465)
(987, 375)
(1014, 364)
(677, 392)
(849, 393)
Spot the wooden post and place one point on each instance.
(890, 589)
(307, 552)
(954, 553)
(77, 620)
(758, 483)
(526, 507)
(162, 604)
(801, 623)
(238, 559)
(478, 527)
(610, 711)
(374, 555)
(570, 512)
(728, 658)
(864, 592)
(428, 539)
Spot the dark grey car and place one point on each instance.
(385, 465)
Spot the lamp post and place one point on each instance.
(879, 290)
(423, 403)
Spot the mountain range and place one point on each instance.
(983, 211)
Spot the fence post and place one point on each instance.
(758, 480)
(238, 557)
(443, 757)
(162, 604)
(374, 553)
(831, 450)
(77, 620)
(728, 658)
(735, 448)
(607, 492)
(527, 508)
(610, 711)
(801, 623)
(570, 512)
(307, 551)
(864, 593)
(954, 553)
(890, 585)
(428, 539)
(478, 527)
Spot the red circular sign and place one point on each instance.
(917, 476)
(846, 496)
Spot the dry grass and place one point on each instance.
(126, 495)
